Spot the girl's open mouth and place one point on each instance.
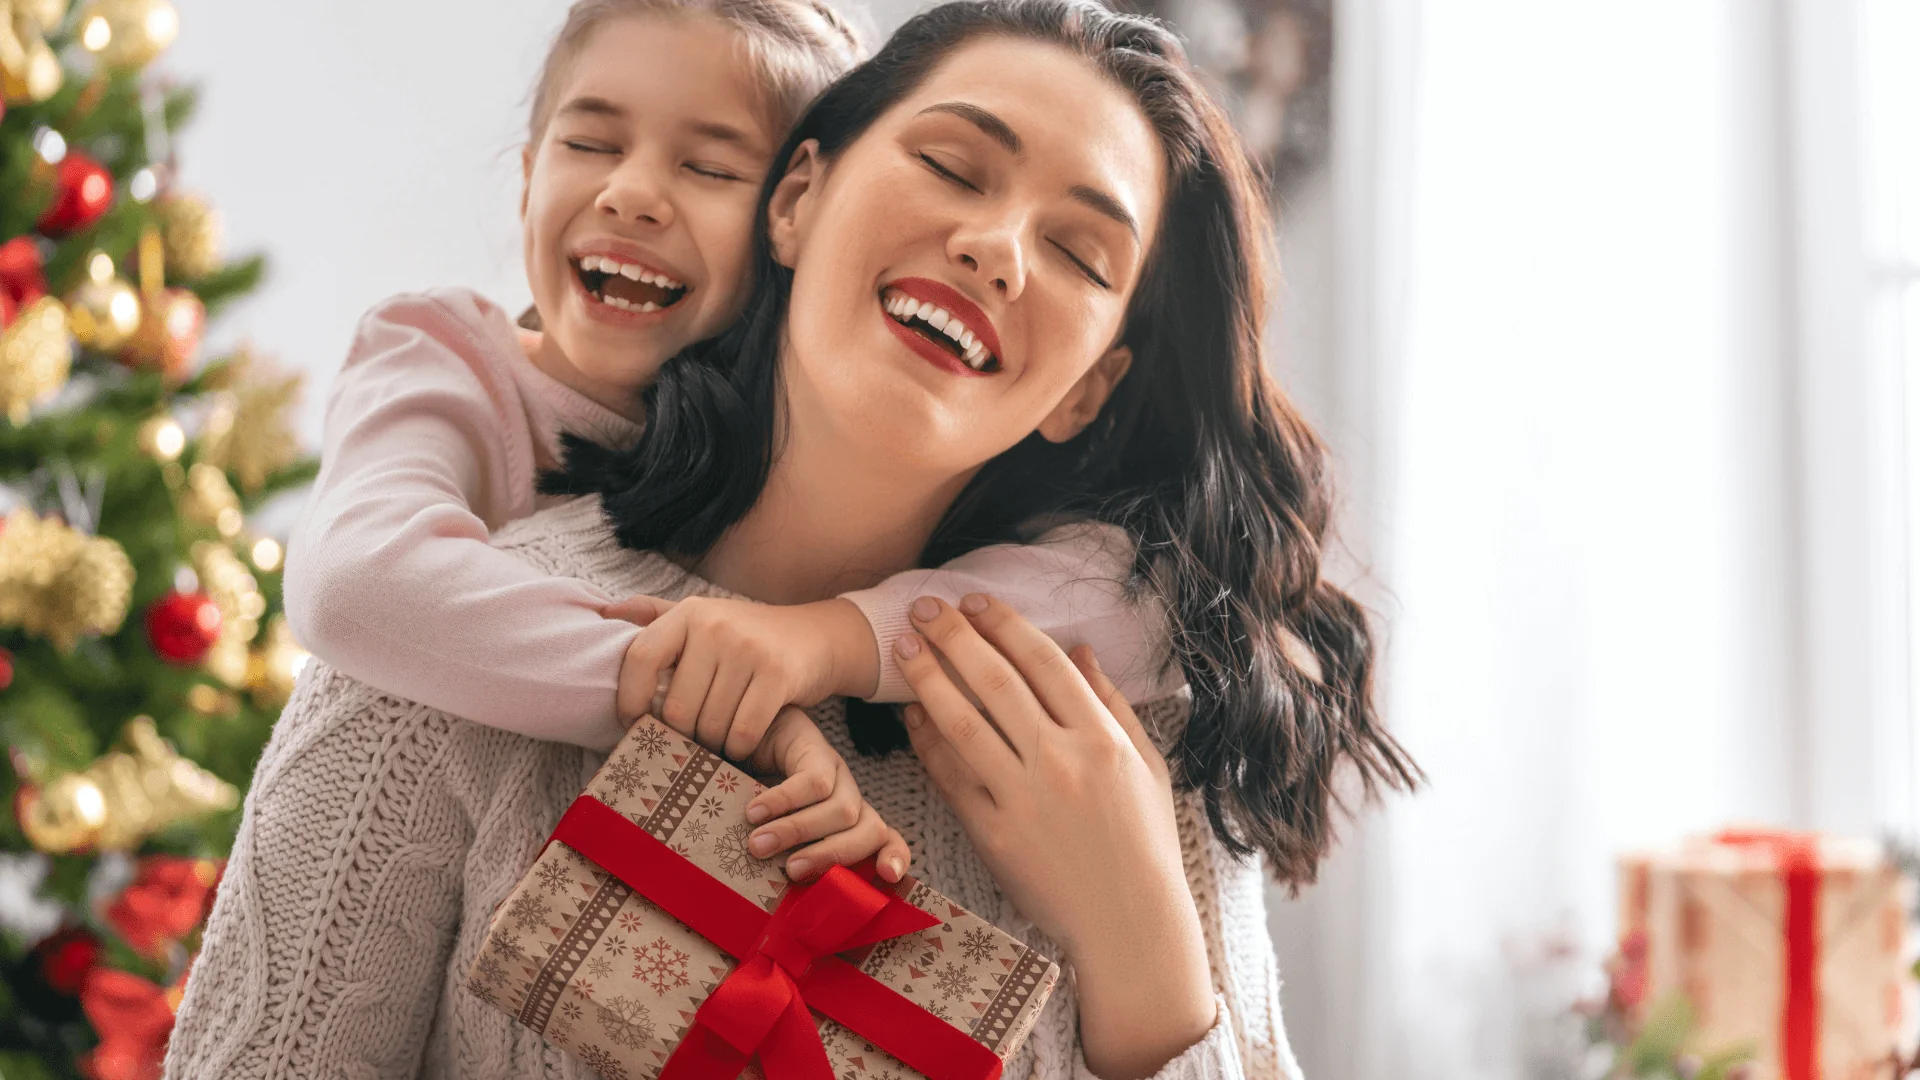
(626, 286)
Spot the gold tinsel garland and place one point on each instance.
(122, 798)
(36, 355)
(233, 589)
(247, 432)
(60, 583)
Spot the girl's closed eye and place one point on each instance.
(712, 172)
(586, 146)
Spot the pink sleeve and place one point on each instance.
(390, 577)
(1070, 583)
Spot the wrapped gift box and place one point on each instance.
(1793, 944)
(595, 966)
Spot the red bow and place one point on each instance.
(786, 962)
(1797, 855)
(168, 898)
(133, 1018)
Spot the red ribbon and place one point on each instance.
(786, 962)
(1797, 856)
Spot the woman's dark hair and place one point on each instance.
(1197, 454)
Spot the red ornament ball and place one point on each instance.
(63, 960)
(6, 669)
(183, 626)
(85, 190)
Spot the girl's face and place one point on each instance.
(639, 202)
(961, 271)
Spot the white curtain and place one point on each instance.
(1548, 309)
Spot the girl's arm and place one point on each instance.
(390, 577)
(1070, 583)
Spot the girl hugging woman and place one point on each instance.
(1050, 174)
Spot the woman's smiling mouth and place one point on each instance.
(935, 319)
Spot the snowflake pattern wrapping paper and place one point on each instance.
(598, 969)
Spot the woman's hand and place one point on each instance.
(1070, 806)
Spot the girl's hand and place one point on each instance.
(730, 665)
(1070, 806)
(819, 802)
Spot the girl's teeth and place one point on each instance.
(631, 272)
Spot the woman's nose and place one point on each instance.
(636, 193)
(995, 253)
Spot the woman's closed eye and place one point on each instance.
(588, 146)
(946, 173)
(1089, 272)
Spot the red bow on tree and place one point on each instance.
(133, 1018)
(169, 897)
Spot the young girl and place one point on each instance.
(652, 129)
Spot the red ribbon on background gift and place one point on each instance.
(1797, 856)
(786, 962)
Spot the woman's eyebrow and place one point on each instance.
(990, 125)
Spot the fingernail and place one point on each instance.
(925, 608)
(756, 814)
(762, 844)
(896, 867)
(915, 716)
(797, 868)
(908, 646)
(973, 603)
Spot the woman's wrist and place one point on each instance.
(1145, 994)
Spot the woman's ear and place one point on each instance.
(1087, 397)
(792, 200)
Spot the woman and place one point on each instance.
(1026, 156)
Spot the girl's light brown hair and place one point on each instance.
(796, 47)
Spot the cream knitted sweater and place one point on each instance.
(379, 835)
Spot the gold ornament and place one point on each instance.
(29, 71)
(104, 311)
(36, 355)
(210, 500)
(125, 796)
(171, 320)
(128, 34)
(58, 582)
(276, 664)
(247, 431)
(233, 589)
(191, 230)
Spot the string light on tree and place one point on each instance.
(161, 438)
(104, 311)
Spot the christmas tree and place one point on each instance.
(143, 658)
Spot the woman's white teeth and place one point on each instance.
(903, 308)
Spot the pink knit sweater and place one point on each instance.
(435, 430)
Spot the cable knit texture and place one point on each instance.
(380, 834)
